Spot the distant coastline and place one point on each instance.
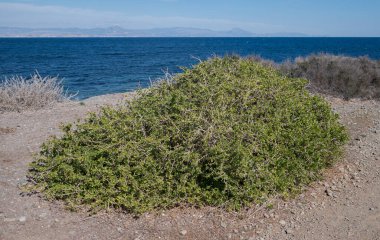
(118, 32)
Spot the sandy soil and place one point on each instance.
(345, 205)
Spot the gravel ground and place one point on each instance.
(344, 205)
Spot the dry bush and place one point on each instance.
(263, 61)
(341, 76)
(18, 93)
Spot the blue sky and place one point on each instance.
(314, 17)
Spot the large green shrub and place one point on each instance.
(228, 132)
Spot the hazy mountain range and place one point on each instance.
(117, 31)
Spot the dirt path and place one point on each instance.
(346, 205)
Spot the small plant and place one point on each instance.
(18, 93)
(229, 132)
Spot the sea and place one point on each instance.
(95, 66)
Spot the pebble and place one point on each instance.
(223, 224)
(42, 215)
(282, 222)
(329, 192)
(371, 208)
(10, 219)
(22, 219)
(183, 232)
(288, 231)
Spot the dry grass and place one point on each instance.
(18, 93)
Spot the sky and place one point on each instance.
(313, 17)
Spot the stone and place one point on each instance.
(282, 222)
(329, 192)
(223, 224)
(22, 219)
(42, 215)
(288, 231)
(10, 219)
(183, 232)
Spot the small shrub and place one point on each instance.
(18, 93)
(226, 133)
(341, 76)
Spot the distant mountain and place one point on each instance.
(285, 34)
(117, 31)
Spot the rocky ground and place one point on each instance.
(344, 205)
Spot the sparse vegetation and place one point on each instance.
(227, 133)
(18, 93)
(339, 76)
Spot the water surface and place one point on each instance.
(95, 66)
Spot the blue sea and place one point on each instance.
(96, 66)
